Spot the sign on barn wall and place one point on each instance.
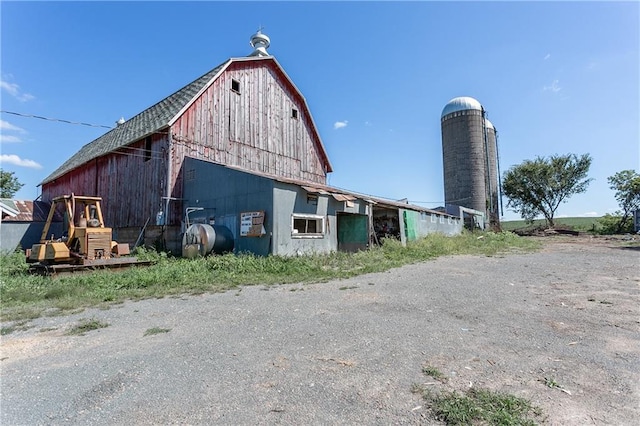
(252, 224)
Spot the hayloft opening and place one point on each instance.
(147, 148)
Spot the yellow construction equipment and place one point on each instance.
(85, 243)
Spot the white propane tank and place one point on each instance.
(200, 240)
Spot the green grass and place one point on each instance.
(475, 406)
(156, 330)
(583, 224)
(433, 372)
(25, 296)
(85, 326)
(18, 326)
(479, 406)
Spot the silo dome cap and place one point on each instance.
(462, 103)
(489, 124)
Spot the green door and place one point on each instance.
(353, 232)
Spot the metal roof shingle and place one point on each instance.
(145, 123)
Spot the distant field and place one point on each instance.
(575, 223)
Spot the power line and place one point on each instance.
(59, 120)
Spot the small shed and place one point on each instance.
(283, 216)
(23, 222)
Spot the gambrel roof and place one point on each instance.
(162, 115)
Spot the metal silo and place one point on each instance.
(469, 153)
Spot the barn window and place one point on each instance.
(307, 226)
(433, 218)
(294, 113)
(147, 148)
(441, 219)
(235, 86)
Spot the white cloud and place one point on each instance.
(17, 161)
(555, 87)
(367, 123)
(14, 90)
(9, 139)
(590, 214)
(560, 216)
(5, 125)
(547, 56)
(340, 124)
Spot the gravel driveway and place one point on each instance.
(349, 351)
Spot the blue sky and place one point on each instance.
(554, 78)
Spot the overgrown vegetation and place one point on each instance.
(156, 330)
(626, 183)
(87, 325)
(433, 372)
(475, 406)
(478, 406)
(613, 224)
(28, 296)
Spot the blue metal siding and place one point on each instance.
(224, 193)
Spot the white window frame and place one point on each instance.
(320, 224)
(441, 219)
(433, 218)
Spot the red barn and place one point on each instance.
(245, 113)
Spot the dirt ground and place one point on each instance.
(560, 327)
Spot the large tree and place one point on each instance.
(9, 184)
(538, 187)
(627, 186)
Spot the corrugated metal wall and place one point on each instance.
(420, 224)
(223, 194)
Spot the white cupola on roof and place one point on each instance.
(260, 42)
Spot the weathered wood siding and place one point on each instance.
(252, 128)
(130, 181)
